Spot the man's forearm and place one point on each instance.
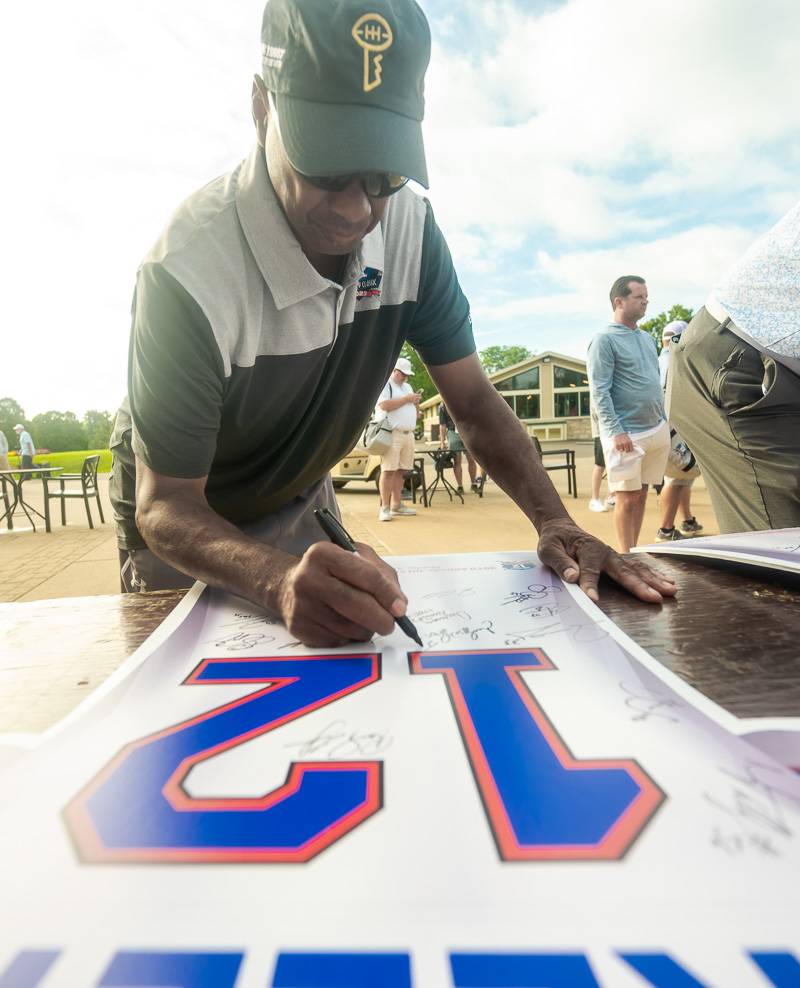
(498, 441)
(194, 539)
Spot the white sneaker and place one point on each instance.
(402, 510)
(596, 505)
(385, 514)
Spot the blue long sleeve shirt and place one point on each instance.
(624, 381)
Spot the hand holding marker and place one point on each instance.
(333, 528)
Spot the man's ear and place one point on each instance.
(260, 108)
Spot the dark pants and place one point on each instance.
(739, 411)
(27, 462)
(292, 529)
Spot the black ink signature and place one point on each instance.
(647, 706)
(241, 640)
(535, 591)
(756, 810)
(335, 740)
(444, 636)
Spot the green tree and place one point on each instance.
(656, 325)
(98, 426)
(11, 412)
(495, 358)
(58, 431)
(421, 379)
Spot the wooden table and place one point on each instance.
(730, 634)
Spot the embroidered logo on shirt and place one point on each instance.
(372, 33)
(369, 284)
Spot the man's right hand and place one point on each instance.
(414, 398)
(623, 443)
(332, 597)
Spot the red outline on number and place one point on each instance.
(85, 835)
(615, 843)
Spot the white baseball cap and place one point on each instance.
(19, 427)
(404, 365)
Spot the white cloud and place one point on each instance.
(698, 95)
(678, 268)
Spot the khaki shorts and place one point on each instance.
(650, 466)
(401, 454)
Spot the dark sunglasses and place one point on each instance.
(377, 185)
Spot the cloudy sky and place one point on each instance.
(568, 142)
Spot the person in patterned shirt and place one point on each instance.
(733, 391)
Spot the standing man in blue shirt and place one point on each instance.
(626, 394)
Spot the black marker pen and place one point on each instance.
(333, 528)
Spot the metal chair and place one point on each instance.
(417, 478)
(88, 488)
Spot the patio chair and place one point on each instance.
(88, 488)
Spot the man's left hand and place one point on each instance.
(580, 558)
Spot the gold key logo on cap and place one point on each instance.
(372, 33)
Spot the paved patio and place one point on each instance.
(74, 560)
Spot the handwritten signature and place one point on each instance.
(535, 591)
(241, 640)
(336, 740)
(465, 592)
(432, 616)
(444, 635)
(756, 812)
(584, 633)
(647, 703)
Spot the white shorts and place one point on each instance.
(400, 456)
(650, 466)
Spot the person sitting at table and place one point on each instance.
(450, 439)
(26, 448)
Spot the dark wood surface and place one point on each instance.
(731, 634)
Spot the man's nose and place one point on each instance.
(352, 204)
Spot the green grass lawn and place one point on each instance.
(70, 461)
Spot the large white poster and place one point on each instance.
(777, 548)
(527, 801)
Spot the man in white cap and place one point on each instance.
(398, 401)
(26, 448)
(268, 316)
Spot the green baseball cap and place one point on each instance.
(347, 77)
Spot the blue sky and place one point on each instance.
(567, 142)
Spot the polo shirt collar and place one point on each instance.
(287, 271)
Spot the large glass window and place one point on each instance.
(566, 403)
(563, 378)
(527, 406)
(526, 381)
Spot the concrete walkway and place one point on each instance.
(73, 560)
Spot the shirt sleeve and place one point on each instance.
(600, 365)
(176, 379)
(441, 331)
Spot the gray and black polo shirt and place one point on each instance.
(249, 367)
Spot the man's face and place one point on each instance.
(399, 377)
(331, 223)
(665, 341)
(634, 306)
